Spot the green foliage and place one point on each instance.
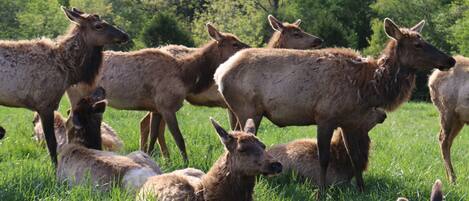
(41, 18)
(460, 29)
(165, 29)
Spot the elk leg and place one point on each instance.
(356, 142)
(448, 132)
(157, 132)
(47, 121)
(324, 137)
(171, 120)
(144, 131)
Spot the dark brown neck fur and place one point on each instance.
(390, 84)
(222, 183)
(82, 61)
(198, 68)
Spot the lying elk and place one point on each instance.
(2, 132)
(330, 88)
(286, 35)
(232, 177)
(109, 138)
(81, 159)
(153, 80)
(436, 195)
(36, 73)
(449, 93)
(301, 155)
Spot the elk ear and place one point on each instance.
(275, 24)
(214, 33)
(298, 22)
(77, 11)
(391, 29)
(225, 138)
(99, 107)
(250, 127)
(418, 27)
(437, 193)
(73, 16)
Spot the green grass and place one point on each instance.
(405, 158)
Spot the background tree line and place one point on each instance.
(344, 23)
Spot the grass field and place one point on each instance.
(405, 158)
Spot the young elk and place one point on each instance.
(109, 138)
(152, 80)
(286, 35)
(301, 156)
(232, 177)
(36, 73)
(437, 192)
(2, 132)
(81, 158)
(295, 87)
(450, 94)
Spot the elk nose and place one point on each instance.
(451, 62)
(276, 167)
(125, 38)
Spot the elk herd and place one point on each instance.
(291, 82)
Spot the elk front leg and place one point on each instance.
(47, 120)
(450, 129)
(324, 136)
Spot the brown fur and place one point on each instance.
(36, 73)
(109, 137)
(286, 35)
(153, 80)
(79, 161)
(301, 156)
(449, 91)
(331, 88)
(231, 178)
(436, 195)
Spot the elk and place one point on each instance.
(286, 35)
(36, 73)
(436, 195)
(301, 155)
(109, 138)
(449, 94)
(232, 177)
(2, 132)
(298, 87)
(152, 80)
(81, 159)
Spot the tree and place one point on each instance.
(165, 29)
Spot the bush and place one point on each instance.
(165, 29)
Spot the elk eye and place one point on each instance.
(418, 45)
(98, 26)
(297, 35)
(236, 45)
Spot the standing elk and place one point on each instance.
(152, 80)
(231, 178)
(109, 138)
(82, 158)
(286, 35)
(36, 73)
(449, 91)
(329, 88)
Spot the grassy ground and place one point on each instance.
(405, 158)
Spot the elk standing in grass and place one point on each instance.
(36, 73)
(232, 177)
(449, 91)
(109, 138)
(153, 80)
(329, 87)
(301, 156)
(286, 35)
(82, 156)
